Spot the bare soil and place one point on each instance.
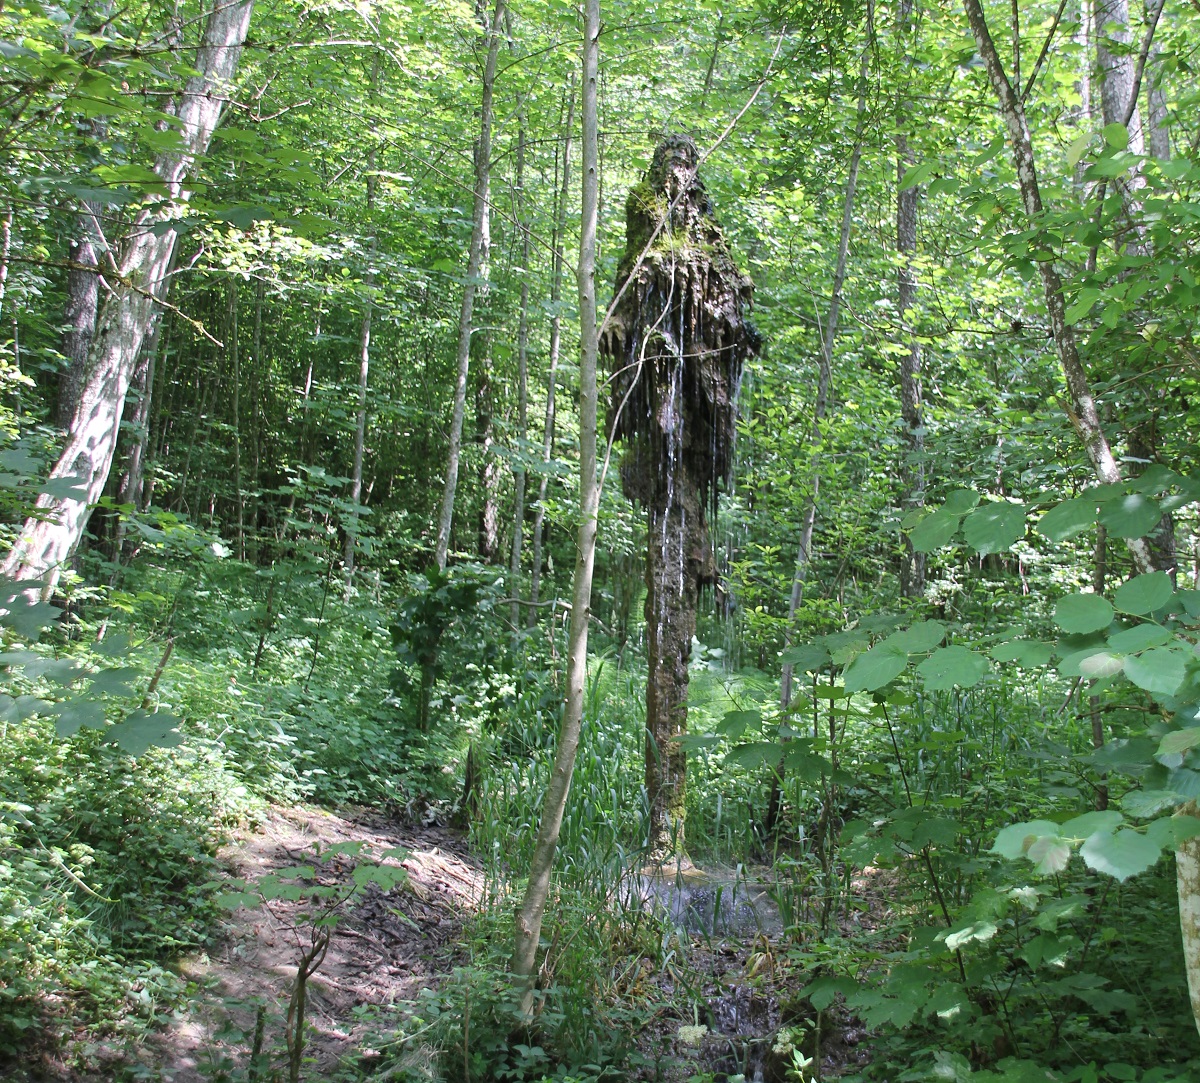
(386, 947)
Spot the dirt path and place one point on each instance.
(386, 947)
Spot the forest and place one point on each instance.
(600, 541)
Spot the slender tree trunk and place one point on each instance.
(1082, 404)
(475, 258)
(47, 540)
(556, 277)
(364, 369)
(235, 358)
(820, 407)
(533, 907)
(912, 572)
(519, 474)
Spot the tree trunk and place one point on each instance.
(236, 365)
(556, 277)
(475, 265)
(364, 369)
(47, 541)
(83, 299)
(912, 471)
(533, 906)
(519, 475)
(1083, 412)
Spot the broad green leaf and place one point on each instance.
(1178, 741)
(952, 666)
(1029, 653)
(1083, 304)
(976, 931)
(1078, 149)
(1121, 855)
(1116, 136)
(77, 713)
(1014, 841)
(1144, 593)
(806, 657)
(878, 666)
(916, 174)
(918, 638)
(1049, 854)
(115, 682)
(142, 730)
(1068, 518)
(1093, 663)
(804, 764)
(994, 527)
(1130, 516)
(960, 501)
(1160, 670)
(1139, 638)
(1080, 613)
(934, 531)
(1170, 831)
(754, 755)
(735, 723)
(1090, 822)
(1144, 803)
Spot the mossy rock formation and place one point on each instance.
(678, 338)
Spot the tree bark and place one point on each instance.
(1082, 411)
(83, 300)
(912, 471)
(475, 263)
(556, 277)
(47, 541)
(519, 473)
(364, 370)
(533, 906)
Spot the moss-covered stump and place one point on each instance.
(677, 338)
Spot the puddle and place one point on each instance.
(709, 902)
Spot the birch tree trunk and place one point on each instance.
(556, 277)
(533, 907)
(1083, 412)
(47, 541)
(475, 256)
(83, 301)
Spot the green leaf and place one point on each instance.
(77, 713)
(1068, 518)
(1130, 516)
(976, 931)
(1116, 136)
(1078, 149)
(1049, 854)
(233, 900)
(952, 666)
(1144, 593)
(142, 730)
(916, 174)
(754, 755)
(1079, 613)
(1139, 638)
(806, 657)
(1178, 741)
(918, 638)
(1121, 855)
(1090, 822)
(1169, 832)
(115, 682)
(1144, 803)
(1029, 653)
(1014, 841)
(934, 531)
(735, 723)
(1083, 304)
(1160, 670)
(960, 501)
(880, 665)
(994, 527)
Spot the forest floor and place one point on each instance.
(719, 1008)
(386, 947)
